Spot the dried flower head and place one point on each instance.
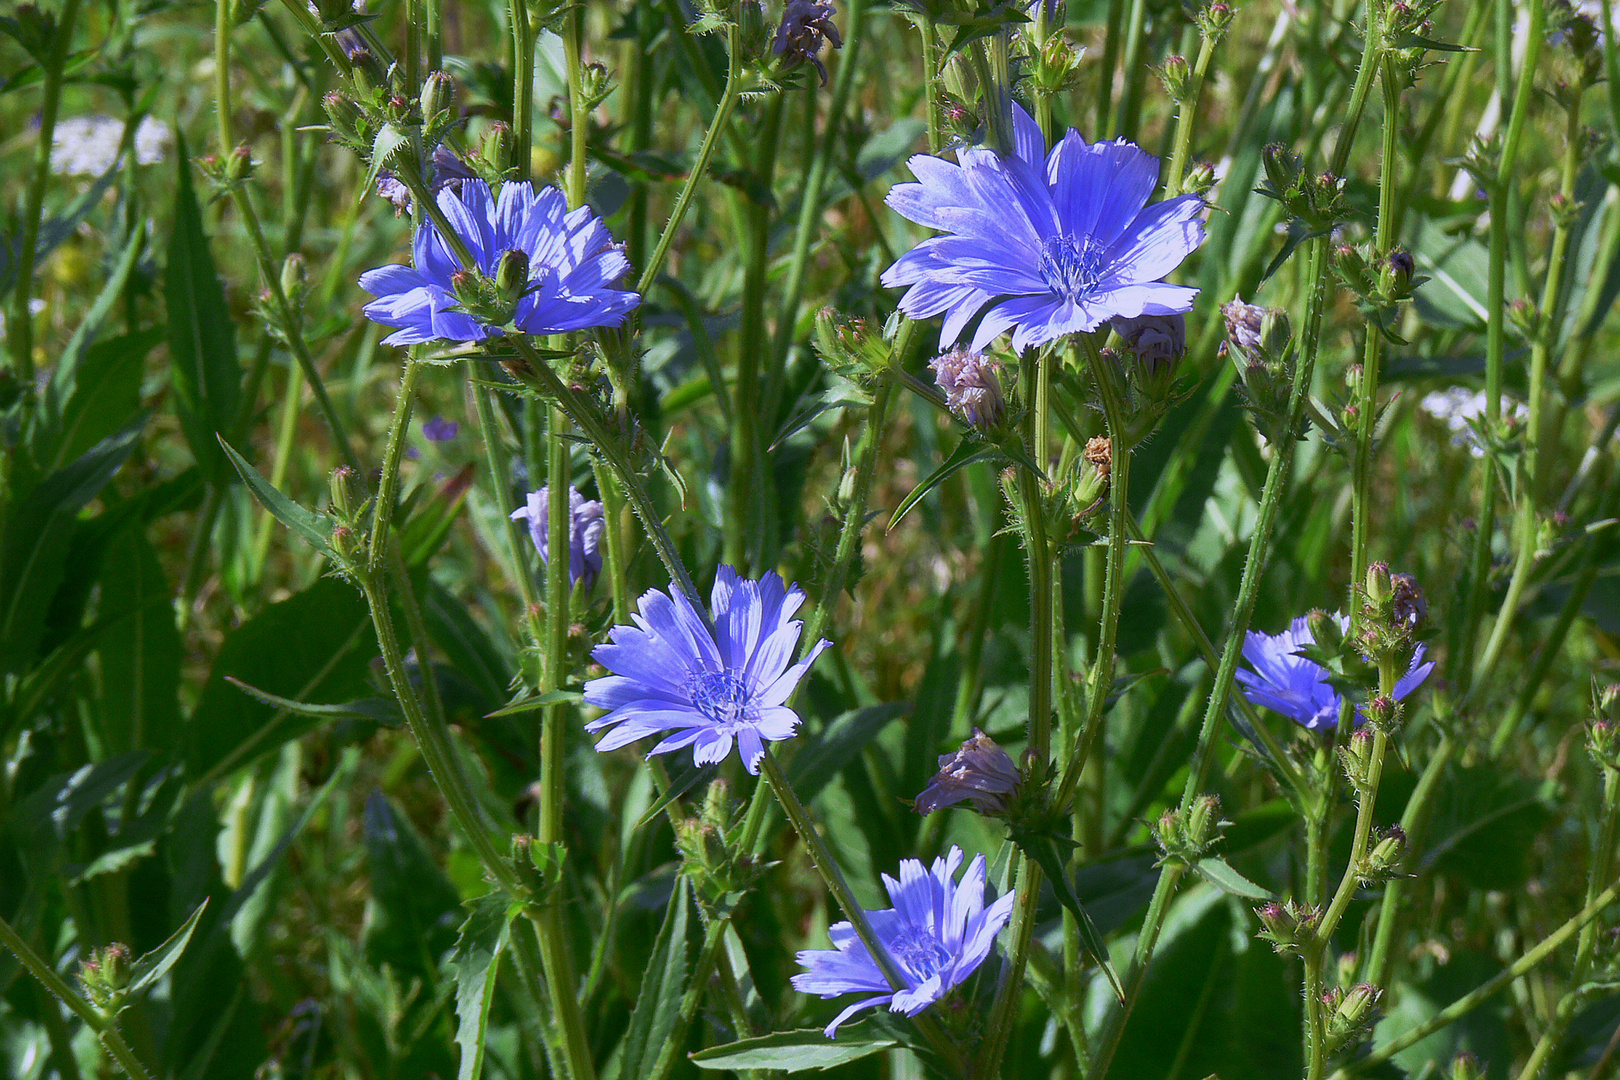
(805, 25)
(979, 772)
(972, 387)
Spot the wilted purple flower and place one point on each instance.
(972, 389)
(572, 260)
(1071, 243)
(1296, 686)
(439, 429)
(671, 673)
(938, 932)
(448, 171)
(1157, 340)
(585, 525)
(804, 24)
(979, 771)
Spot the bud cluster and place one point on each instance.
(1055, 66)
(1288, 925)
(351, 503)
(104, 977)
(1184, 835)
(227, 173)
(389, 125)
(1086, 485)
(1379, 282)
(1261, 343)
(1213, 21)
(1394, 616)
(1312, 199)
(1603, 735)
(720, 869)
(852, 347)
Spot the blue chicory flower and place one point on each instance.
(938, 932)
(572, 259)
(585, 525)
(1070, 243)
(671, 673)
(1297, 686)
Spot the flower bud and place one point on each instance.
(1177, 75)
(1603, 741)
(1326, 630)
(1466, 1067)
(437, 94)
(1355, 757)
(1378, 588)
(1353, 1014)
(1383, 860)
(1214, 20)
(1395, 274)
(105, 975)
(343, 114)
(1091, 476)
(512, 276)
(1524, 317)
(293, 275)
(1284, 170)
(1199, 179)
(1351, 266)
(1384, 713)
(496, 147)
(1184, 835)
(1287, 925)
(348, 495)
(238, 164)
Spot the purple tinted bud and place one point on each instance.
(1157, 340)
(585, 527)
(979, 772)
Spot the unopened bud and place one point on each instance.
(512, 276)
(1466, 1067)
(1378, 588)
(1177, 75)
(1199, 179)
(1355, 756)
(496, 147)
(239, 164)
(293, 275)
(1326, 630)
(437, 93)
(1287, 925)
(1383, 861)
(343, 114)
(1396, 274)
(347, 494)
(1354, 1012)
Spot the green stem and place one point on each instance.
(20, 330)
(711, 139)
(1496, 332)
(1602, 866)
(579, 118)
(1367, 387)
(930, 51)
(1124, 121)
(805, 232)
(1412, 822)
(1482, 993)
(1186, 118)
(1536, 434)
(522, 87)
(103, 1026)
(1248, 594)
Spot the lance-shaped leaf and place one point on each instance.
(658, 1004)
(312, 525)
(155, 964)
(1043, 849)
(203, 365)
(966, 453)
(789, 1051)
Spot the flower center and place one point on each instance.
(720, 696)
(919, 952)
(1071, 265)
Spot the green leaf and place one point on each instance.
(382, 710)
(141, 651)
(155, 964)
(825, 757)
(967, 452)
(482, 939)
(1221, 875)
(658, 1002)
(312, 525)
(203, 365)
(790, 1051)
(33, 548)
(104, 392)
(314, 647)
(1043, 849)
(536, 701)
